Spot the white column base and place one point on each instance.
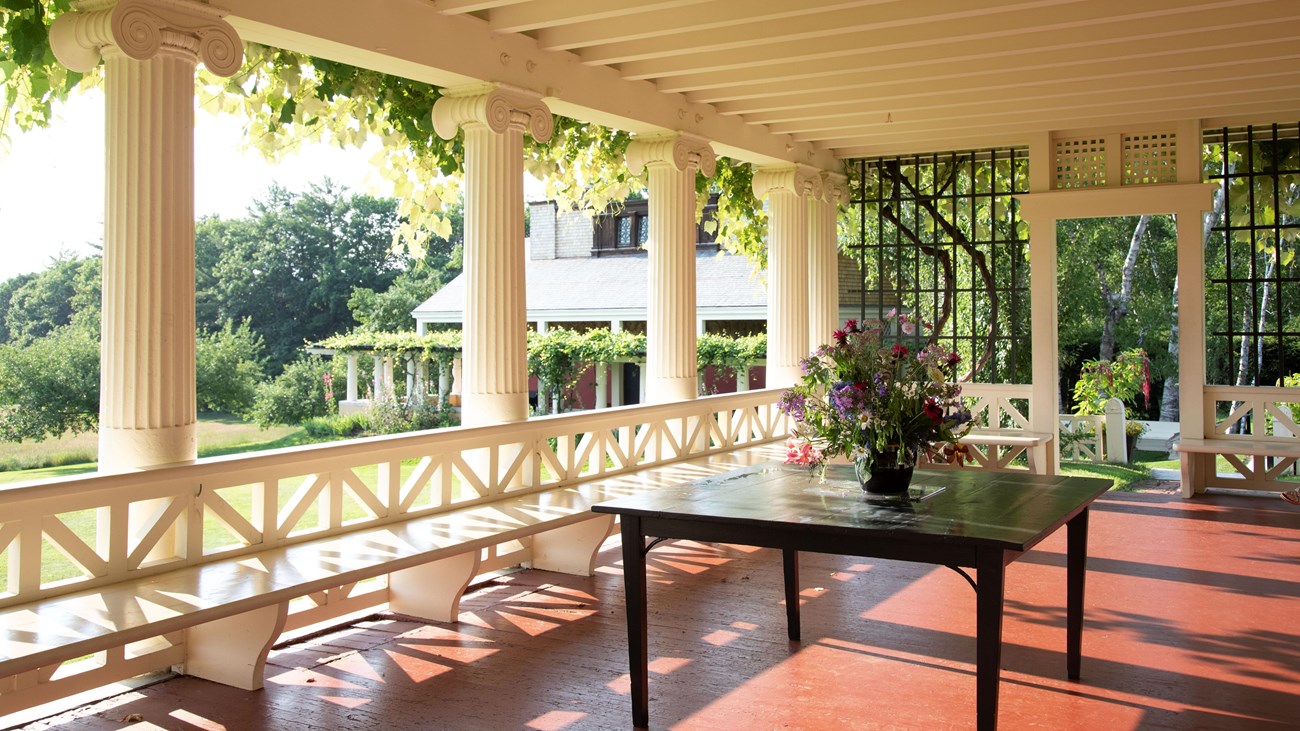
(480, 409)
(133, 448)
(668, 390)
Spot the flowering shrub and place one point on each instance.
(862, 397)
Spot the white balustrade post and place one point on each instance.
(823, 259)
(786, 190)
(1116, 434)
(494, 349)
(671, 372)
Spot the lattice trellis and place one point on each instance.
(1079, 162)
(1150, 158)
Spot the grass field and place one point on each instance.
(72, 455)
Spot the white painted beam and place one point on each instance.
(418, 42)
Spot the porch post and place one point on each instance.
(1044, 406)
(787, 190)
(494, 351)
(671, 371)
(823, 259)
(147, 412)
(352, 376)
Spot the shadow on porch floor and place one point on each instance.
(1192, 622)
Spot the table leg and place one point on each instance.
(991, 567)
(790, 559)
(634, 583)
(1075, 573)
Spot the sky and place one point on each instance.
(52, 180)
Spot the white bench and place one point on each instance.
(1268, 459)
(218, 620)
(996, 449)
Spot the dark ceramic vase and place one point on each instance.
(887, 473)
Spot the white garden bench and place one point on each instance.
(1264, 461)
(997, 449)
(222, 617)
(156, 591)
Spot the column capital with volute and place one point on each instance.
(497, 107)
(834, 188)
(141, 29)
(681, 150)
(798, 179)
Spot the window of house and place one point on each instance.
(627, 229)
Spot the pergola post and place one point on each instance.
(787, 190)
(823, 259)
(671, 370)
(147, 413)
(494, 369)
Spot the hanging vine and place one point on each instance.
(286, 98)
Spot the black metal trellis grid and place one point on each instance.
(1249, 254)
(973, 191)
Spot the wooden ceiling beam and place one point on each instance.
(1094, 22)
(538, 15)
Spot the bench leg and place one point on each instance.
(432, 590)
(572, 549)
(232, 651)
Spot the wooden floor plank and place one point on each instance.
(1191, 623)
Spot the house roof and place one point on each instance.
(589, 288)
(772, 80)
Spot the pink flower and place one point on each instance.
(840, 336)
(801, 453)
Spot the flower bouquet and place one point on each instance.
(876, 403)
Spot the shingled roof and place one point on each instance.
(599, 288)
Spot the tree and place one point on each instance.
(66, 292)
(390, 310)
(229, 365)
(49, 386)
(289, 268)
(300, 392)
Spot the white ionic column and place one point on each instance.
(377, 378)
(602, 385)
(787, 190)
(147, 413)
(671, 370)
(494, 384)
(352, 376)
(823, 259)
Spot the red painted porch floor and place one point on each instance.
(1193, 622)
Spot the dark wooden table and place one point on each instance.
(966, 519)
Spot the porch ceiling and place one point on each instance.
(804, 81)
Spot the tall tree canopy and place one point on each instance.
(290, 266)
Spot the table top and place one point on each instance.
(1010, 511)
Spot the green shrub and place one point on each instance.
(296, 395)
(337, 425)
(390, 417)
(229, 365)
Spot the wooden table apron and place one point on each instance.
(929, 531)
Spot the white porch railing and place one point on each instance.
(78, 533)
(1003, 406)
(1266, 409)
